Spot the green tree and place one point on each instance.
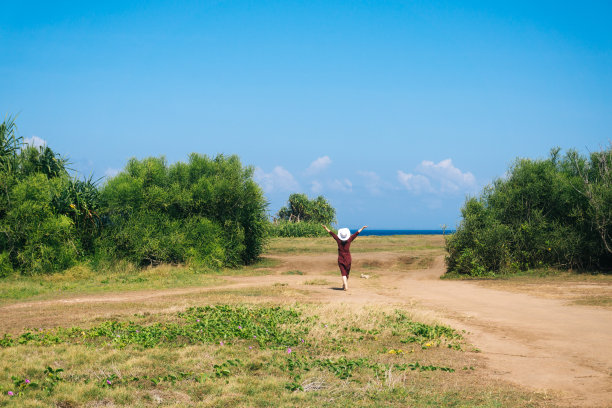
(10, 145)
(300, 208)
(595, 184)
(153, 209)
(554, 212)
(43, 160)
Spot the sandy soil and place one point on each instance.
(541, 343)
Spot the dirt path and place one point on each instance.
(539, 343)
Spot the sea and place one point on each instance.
(382, 232)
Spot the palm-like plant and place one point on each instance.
(10, 144)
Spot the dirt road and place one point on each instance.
(539, 343)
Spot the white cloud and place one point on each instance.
(110, 172)
(316, 187)
(451, 179)
(374, 184)
(415, 183)
(371, 181)
(440, 178)
(341, 185)
(318, 165)
(277, 180)
(35, 141)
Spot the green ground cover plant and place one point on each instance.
(244, 355)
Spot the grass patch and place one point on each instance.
(249, 355)
(122, 276)
(83, 280)
(601, 301)
(577, 288)
(321, 282)
(294, 272)
(539, 274)
(398, 243)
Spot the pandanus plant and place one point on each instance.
(10, 144)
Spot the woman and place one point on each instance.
(344, 239)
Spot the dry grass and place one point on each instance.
(574, 288)
(321, 282)
(337, 331)
(403, 243)
(188, 375)
(121, 276)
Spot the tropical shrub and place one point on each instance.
(206, 211)
(302, 217)
(296, 229)
(37, 238)
(555, 212)
(300, 208)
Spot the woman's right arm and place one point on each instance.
(330, 232)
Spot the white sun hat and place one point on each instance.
(344, 233)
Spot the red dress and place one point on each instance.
(344, 253)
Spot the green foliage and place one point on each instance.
(268, 327)
(43, 160)
(80, 201)
(10, 144)
(36, 237)
(207, 211)
(300, 208)
(555, 212)
(149, 238)
(424, 334)
(287, 228)
(302, 217)
(231, 341)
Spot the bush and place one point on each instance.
(205, 211)
(296, 229)
(300, 208)
(539, 216)
(37, 238)
(151, 238)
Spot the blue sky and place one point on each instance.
(394, 111)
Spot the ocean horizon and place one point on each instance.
(383, 232)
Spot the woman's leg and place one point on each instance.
(344, 272)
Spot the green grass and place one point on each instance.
(602, 301)
(538, 274)
(403, 243)
(321, 282)
(294, 272)
(248, 355)
(122, 276)
(84, 280)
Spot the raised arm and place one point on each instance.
(330, 232)
(352, 237)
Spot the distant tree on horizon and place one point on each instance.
(300, 208)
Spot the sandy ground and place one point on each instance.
(540, 343)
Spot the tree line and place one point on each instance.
(553, 212)
(206, 211)
(302, 217)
